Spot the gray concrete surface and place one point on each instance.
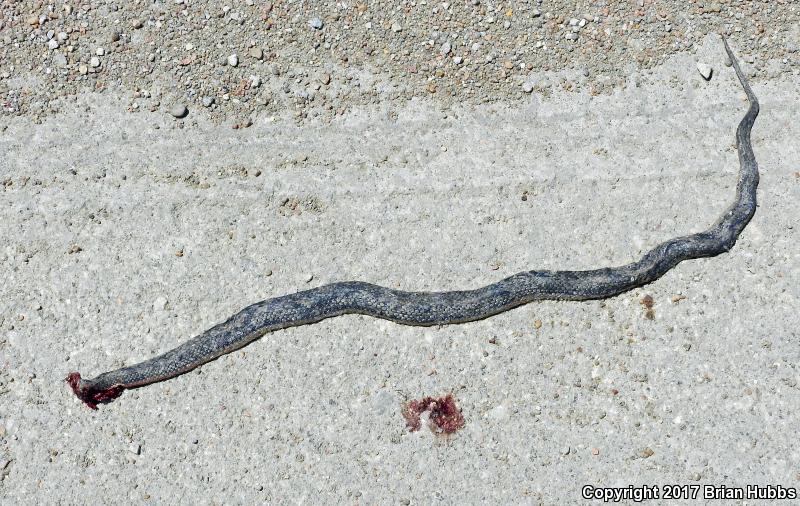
(704, 393)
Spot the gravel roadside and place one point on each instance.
(237, 60)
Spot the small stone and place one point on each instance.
(255, 81)
(537, 324)
(727, 61)
(457, 60)
(83, 69)
(100, 51)
(695, 477)
(396, 27)
(60, 60)
(315, 23)
(257, 53)
(233, 60)
(94, 61)
(446, 47)
(52, 44)
(705, 70)
(325, 78)
(308, 278)
(136, 23)
(208, 101)
(565, 450)
(179, 110)
(527, 86)
(114, 37)
(160, 303)
(647, 453)
(135, 448)
(571, 36)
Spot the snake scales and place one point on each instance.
(424, 308)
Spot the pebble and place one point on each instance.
(100, 51)
(233, 60)
(446, 47)
(208, 101)
(60, 60)
(94, 61)
(527, 86)
(255, 81)
(135, 448)
(136, 23)
(308, 278)
(257, 53)
(571, 36)
(83, 69)
(179, 111)
(727, 61)
(457, 60)
(160, 303)
(315, 23)
(325, 78)
(705, 70)
(396, 27)
(52, 44)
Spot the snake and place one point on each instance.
(443, 308)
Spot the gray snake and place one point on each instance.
(432, 308)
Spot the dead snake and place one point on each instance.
(424, 308)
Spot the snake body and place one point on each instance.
(440, 308)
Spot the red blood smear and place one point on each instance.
(444, 414)
(90, 396)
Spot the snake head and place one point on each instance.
(88, 394)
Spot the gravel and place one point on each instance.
(452, 52)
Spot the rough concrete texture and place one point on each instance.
(124, 236)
